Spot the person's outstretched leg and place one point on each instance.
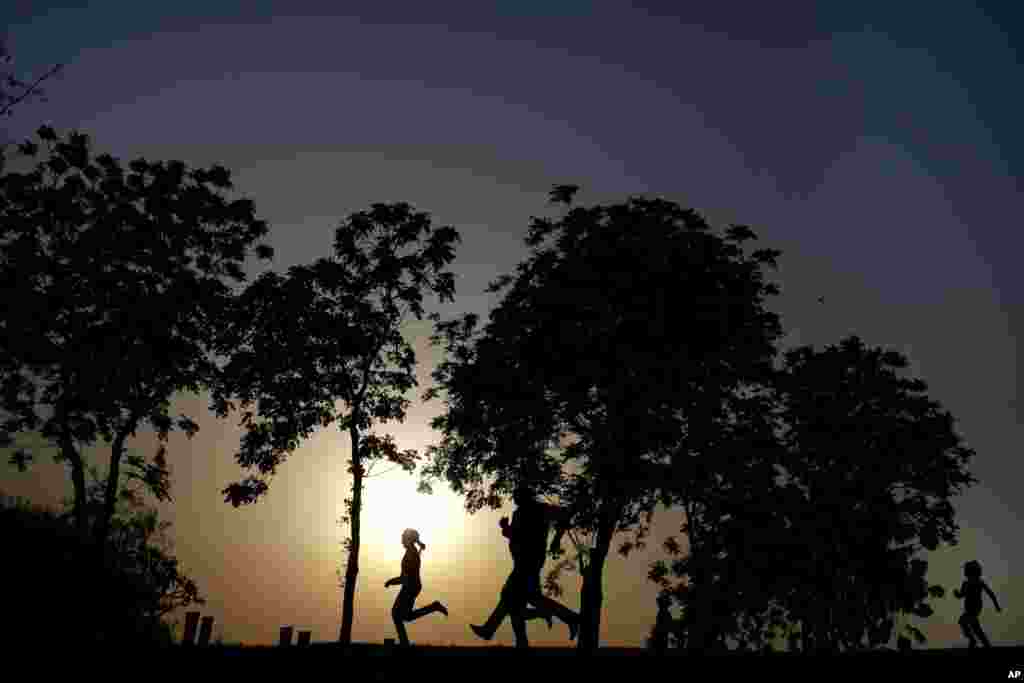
(566, 615)
(403, 637)
(488, 628)
(967, 628)
(399, 612)
(514, 597)
(980, 633)
(519, 628)
(424, 611)
(547, 606)
(537, 613)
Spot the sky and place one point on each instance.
(877, 146)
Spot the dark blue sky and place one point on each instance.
(877, 144)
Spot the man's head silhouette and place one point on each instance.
(523, 494)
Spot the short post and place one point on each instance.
(191, 622)
(205, 631)
(304, 637)
(286, 636)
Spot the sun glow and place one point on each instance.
(392, 504)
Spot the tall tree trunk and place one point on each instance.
(91, 560)
(593, 591)
(352, 566)
(80, 509)
(698, 637)
(823, 634)
(102, 525)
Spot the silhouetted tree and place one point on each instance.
(52, 581)
(877, 462)
(116, 282)
(141, 554)
(869, 465)
(330, 332)
(726, 488)
(624, 318)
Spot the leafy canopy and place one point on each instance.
(603, 334)
(331, 331)
(859, 475)
(117, 280)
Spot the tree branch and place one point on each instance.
(6, 108)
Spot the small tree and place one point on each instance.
(330, 332)
(585, 375)
(141, 556)
(877, 463)
(127, 599)
(867, 469)
(728, 491)
(116, 283)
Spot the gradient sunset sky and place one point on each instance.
(878, 145)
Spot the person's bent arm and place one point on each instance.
(561, 518)
(556, 542)
(556, 514)
(993, 596)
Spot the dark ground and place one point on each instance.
(376, 662)
(318, 651)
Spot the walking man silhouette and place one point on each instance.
(528, 535)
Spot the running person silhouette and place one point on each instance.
(402, 611)
(970, 591)
(527, 535)
(664, 626)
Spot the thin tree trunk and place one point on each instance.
(697, 641)
(102, 525)
(823, 637)
(80, 509)
(593, 592)
(352, 566)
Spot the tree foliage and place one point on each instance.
(331, 332)
(126, 601)
(866, 467)
(625, 321)
(725, 486)
(117, 279)
(877, 462)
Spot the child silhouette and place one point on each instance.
(403, 611)
(664, 625)
(970, 591)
